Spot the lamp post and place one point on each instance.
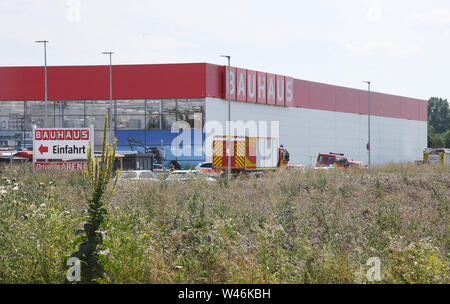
(229, 117)
(45, 81)
(368, 121)
(110, 91)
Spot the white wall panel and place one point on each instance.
(306, 132)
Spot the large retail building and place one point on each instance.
(149, 99)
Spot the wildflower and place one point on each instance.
(15, 188)
(145, 235)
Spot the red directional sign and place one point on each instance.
(62, 148)
(62, 143)
(43, 149)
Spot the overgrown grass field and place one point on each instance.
(308, 226)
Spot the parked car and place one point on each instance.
(206, 167)
(183, 175)
(138, 175)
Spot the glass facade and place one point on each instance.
(147, 120)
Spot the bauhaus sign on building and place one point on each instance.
(61, 144)
(258, 87)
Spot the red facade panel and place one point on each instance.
(92, 82)
(375, 104)
(301, 98)
(322, 97)
(423, 110)
(198, 80)
(24, 83)
(409, 108)
(215, 84)
(164, 81)
(363, 102)
(76, 82)
(347, 100)
(390, 106)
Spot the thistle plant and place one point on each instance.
(96, 180)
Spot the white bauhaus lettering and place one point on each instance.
(261, 88)
(241, 85)
(280, 90)
(68, 135)
(289, 90)
(232, 82)
(271, 88)
(251, 83)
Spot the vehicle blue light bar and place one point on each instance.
(341, 154)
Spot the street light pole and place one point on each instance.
(110, 92)
(229, 117)
(45, 80)
(368, 121)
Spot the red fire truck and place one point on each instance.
(249, 154)
(332, 160)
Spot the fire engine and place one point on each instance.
(248, 154)
(436, 156)
(332, 160)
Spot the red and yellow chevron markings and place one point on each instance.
(217, 154)
(240, 154)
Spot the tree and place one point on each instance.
(438, 114)
(447, 139)
(436, 141)
(431, 133)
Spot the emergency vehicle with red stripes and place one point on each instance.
(336, 160)
(248, 154)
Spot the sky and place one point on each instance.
(401, 46)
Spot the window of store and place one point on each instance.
(17, 118)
